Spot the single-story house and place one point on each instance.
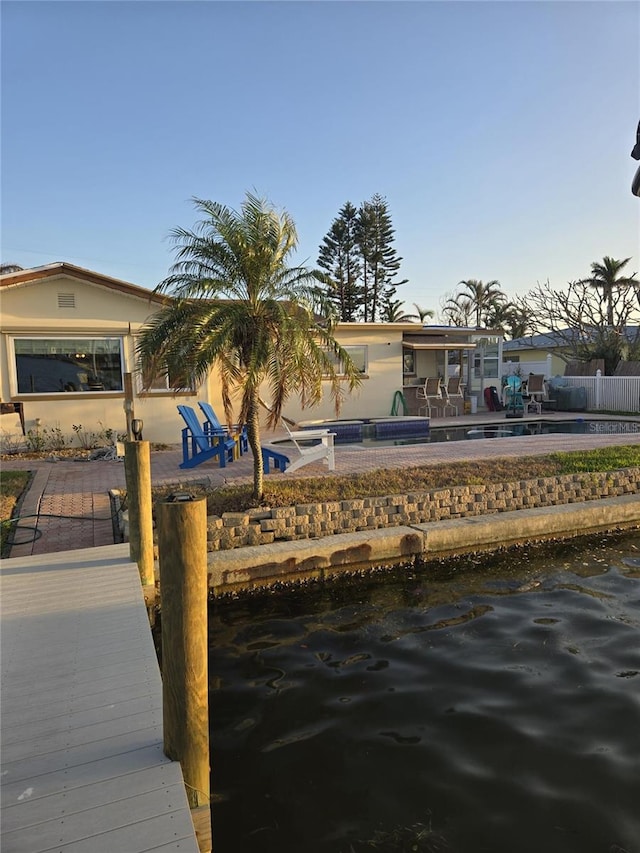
(536, 354)
(549, 353)
(67, 343)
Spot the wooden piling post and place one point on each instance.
(182, 549)
(137, 469)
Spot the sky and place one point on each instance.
(499, 132)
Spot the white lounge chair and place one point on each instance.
(322, 452)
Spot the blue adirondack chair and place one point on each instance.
(198, 447)
(212, 426)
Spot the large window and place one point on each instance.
(47, 365)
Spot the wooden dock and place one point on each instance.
(82, 766)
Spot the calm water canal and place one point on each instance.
(474, 707)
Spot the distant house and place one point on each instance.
(537, 354)
(551, 353)
(68, 336)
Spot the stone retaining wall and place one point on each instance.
(306, 521)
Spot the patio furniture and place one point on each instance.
(212, 426)
(198, 446)
(536, 392)
(322, 452)
(454, 393)
(514, 402)
(431, 393)
(270, 456)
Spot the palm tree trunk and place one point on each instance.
(253, 435)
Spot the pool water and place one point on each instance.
(475, 707)
(578, 426)
(502, 429)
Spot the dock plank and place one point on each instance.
(82, 764)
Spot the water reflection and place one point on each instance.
(470, 706)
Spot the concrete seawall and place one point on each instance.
(287, 562)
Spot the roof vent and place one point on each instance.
(66, 300)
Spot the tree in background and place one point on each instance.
(614, 287)
(7, 268)
(483, 298)
(395, 313)
(457, 310)
(361, 261)
(381, 262)
(514, 318)
(590, 324)
(339, 256)
(238, 306)
(423, 314)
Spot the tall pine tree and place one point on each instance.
(339, 257)
(361, 262)
(379, 257)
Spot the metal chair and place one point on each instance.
(434, 401)
(455, 394)
(536, 392)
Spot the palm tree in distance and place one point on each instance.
(239, 307)
(7, 268)
(605, 277)
(482, 296)
(394, 313)
(458, 310)
(423, 314)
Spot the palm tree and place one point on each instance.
(514, 318)
(483, 296)
(605, 276)
(458, 310)
(7, 268)
(423, 313)
(239, 307)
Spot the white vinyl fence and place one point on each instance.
(609, 393)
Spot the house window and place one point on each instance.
(358, 355)
(408, 362)
(48, 365)
(165, 383)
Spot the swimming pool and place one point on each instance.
(377, 432)
(578, 426)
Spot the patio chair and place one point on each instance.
(212, 426)
(513, 401)
(455, 394)
(536, 392)
(434, 401)
(198, 446)
(322, 452)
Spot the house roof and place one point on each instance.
(561, 338)
(54, 270)
(548, 340)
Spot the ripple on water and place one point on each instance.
(505, 720)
